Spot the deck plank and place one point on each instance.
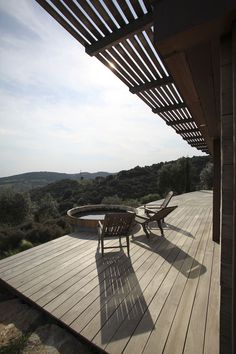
(163, 299)
(166, 298)
(211, 343)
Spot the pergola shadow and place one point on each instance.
(121, 297)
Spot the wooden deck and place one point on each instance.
(163, 299)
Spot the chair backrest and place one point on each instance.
(167, 199)
(162, 213)
(117, 224)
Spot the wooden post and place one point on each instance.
(216, 191)
(234, 187)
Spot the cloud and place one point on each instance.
(62, 110)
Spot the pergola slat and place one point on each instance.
(102, 12)
(143, 98)
(151, 93)
(147, 47)
(126, 10)
(79, 14)
(61, 21)
(137, 7)
(126, 57)
(137, 60)
(115, 13)
(92, 15)
(119, 67)
(72, 19)
(153, 72)
(115, 72)
(124, 65)
(158, 97)
(147, 5)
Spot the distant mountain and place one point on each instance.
(29, 180)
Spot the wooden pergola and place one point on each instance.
(120, 35)
(179, 57)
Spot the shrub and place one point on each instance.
(131, 202)
(10, 239)
(15, 207)
(111, 200)
(44, 233)
(47, 208)
(64, 206)
(206, 176)
(25, 245)
(64, 224)
(149, 198)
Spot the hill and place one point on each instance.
(26, 181)
(135, 186)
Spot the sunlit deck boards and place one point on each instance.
(164, 298)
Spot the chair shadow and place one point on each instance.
(178, 229)
(121, 297)
(195, 268)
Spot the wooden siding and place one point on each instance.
(228, 191)
(163, 299)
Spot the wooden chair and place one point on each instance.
(154, 207)
(155, 216)
(115, 225)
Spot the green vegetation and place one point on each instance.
(26, 181)
(29, 219)
(16, 346)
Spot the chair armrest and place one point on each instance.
(153, 206)
(152, 211)
(141, 217)
(100, 224)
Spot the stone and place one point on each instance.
(16, 319)
(52, 339)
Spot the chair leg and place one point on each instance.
(120, 242)
(102, 245)
(127, 242)
(99, 241)
(159, 222)
(145, 230)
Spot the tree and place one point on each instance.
(176, 176)
(47, 208)
(14, 207)
(206, 176)
(112, 200)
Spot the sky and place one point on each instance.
(63, 111)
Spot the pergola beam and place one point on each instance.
(169, 108)
(195, 143)
(185, 131)
(152, 84)
(182, 121)
(120, 35)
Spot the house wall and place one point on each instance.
(227, 71)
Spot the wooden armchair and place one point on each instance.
(115, 225)
(154, 216)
